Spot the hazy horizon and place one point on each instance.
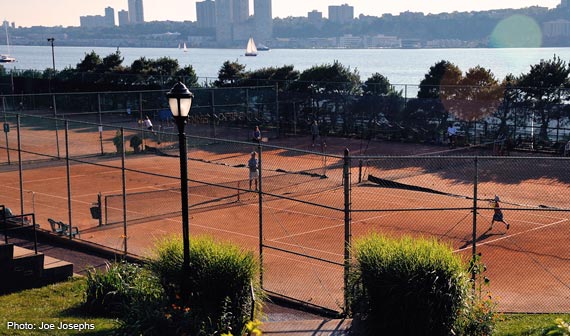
(49, 13)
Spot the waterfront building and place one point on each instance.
(206, 14)
(109, 17)
(348, 41)
(136, 12)
(123, 17)
(315, 17)
(240, 11)
(263, 19)
(557, 28)
(89, 21)
(341, 14)
(224, 21)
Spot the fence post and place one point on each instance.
(474, 238)
(6, 133)
(56, 126)
(68, 172)
(277, 110)
(346, 176)
(18, 129)
(260, 205)
(124, 183)
(100, 122)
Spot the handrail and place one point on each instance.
(19, 222)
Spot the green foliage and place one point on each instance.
(479, 316)
(329, 79)
(111, 292)
(407, 286)
(90, 63)
(377, 84)
(135, 143)
(230, 74)
(219, 283)
(562, 328)
(543, 86)
(118, 142)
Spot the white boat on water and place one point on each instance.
(251, 49)
(6, 58)
(184, 48)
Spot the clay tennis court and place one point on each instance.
(303, 241)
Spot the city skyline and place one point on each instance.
(49, 14)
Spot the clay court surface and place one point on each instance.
(529, 265)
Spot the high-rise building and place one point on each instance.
(136, 12)
(123, 17)
(89, 21)
(109, 17)
(263, 19)
(240, 11)
(224, 20)
(341, 14)
(206, 14)
(315, 17)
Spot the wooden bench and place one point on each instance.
(62, 229)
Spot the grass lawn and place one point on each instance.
(53, 304)
(60, 303)
(528, 324)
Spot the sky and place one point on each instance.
(27, 13)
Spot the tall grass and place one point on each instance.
(219, 280)
(407, 286)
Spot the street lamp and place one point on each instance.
(51, 39)
(180, 101)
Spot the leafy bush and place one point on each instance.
(479, 316)
(219, 283)
(136, 143)
(109, 292)
(118, 142)
(406, 286)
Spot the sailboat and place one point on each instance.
(251, 49)
(6, 58)
(185, 49)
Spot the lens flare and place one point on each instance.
(517, 31)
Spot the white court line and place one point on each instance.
(306, 232)
(514, 234)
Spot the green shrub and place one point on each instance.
(406, 286)
(479, 316)
(219, 282)
(136, 143)
(109, 292)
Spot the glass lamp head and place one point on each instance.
(180, 100)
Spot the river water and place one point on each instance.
(400, 66)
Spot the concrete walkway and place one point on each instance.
(321, 327)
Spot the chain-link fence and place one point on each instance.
(302, 209)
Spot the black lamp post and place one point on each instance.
(51, 39)
(180, 101)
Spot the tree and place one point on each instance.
(477, 95)
(377, 84)
(230, 74)
(543, 88)
(90, 63)
(331, 89)
(438, 84)
(282, 76)
(189, 76)
(112, 62)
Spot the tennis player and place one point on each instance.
(253, 174)
(498, 215)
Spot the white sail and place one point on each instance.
(251, 49)
(185, 49)
(7, 58)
